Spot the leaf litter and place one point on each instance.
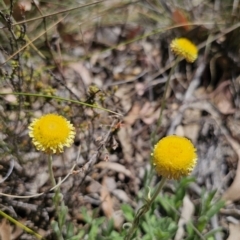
(112, 161)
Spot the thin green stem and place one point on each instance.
(157, 191)
(17, 223)
(50, 170)
(163, 103)
(57, 195)
(144, 209)
(62, 99)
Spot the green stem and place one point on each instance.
(56, 198)
(17, 223)
(57, 195)
(50, 170)
(61, 99)
(163, 103)
(157, 191)
(144, 209)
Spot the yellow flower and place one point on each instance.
(50, 133)
(184, 48)
(174, 157)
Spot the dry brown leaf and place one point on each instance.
(108, 36)
(79, 68)
(120, 194)
(223, 98)
(133, 114)
(191, 125)
(107, 203)
(10, 98)
(148, 113)
(18, 231)
(5, 230)
(234, 231)
(179, 17)
(26, 5)
(94, 187)
(191, 131)
(140, 88)
(20, 7)
(124, 93)
(118, 219)
(39, 181)
(233, 192)
(124, 135)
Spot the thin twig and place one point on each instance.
(39, 194)
(9, 171)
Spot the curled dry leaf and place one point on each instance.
(107, 203)
(5, 230)
(148, 113)
(223, 98)
(115, 167)
(233, 192)
(234, 231)
(133, 114)
(83, 72)
(124, 135)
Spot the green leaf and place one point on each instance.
(78, 236)
(86, 217)
(70, 230)
(109, 228)
(128, 212)
(62, 216)
(215, 208)
(56, 229)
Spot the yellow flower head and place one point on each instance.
(184, 48)
(50, 133)
(174, 157)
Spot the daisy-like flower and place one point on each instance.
(51, 133)
(184, 48)
(174, 157)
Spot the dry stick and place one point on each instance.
(26, 37)
(31, 41)
(56, 13)
(58, 65)
(215, 225)
(46, 37)
(9, 171)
